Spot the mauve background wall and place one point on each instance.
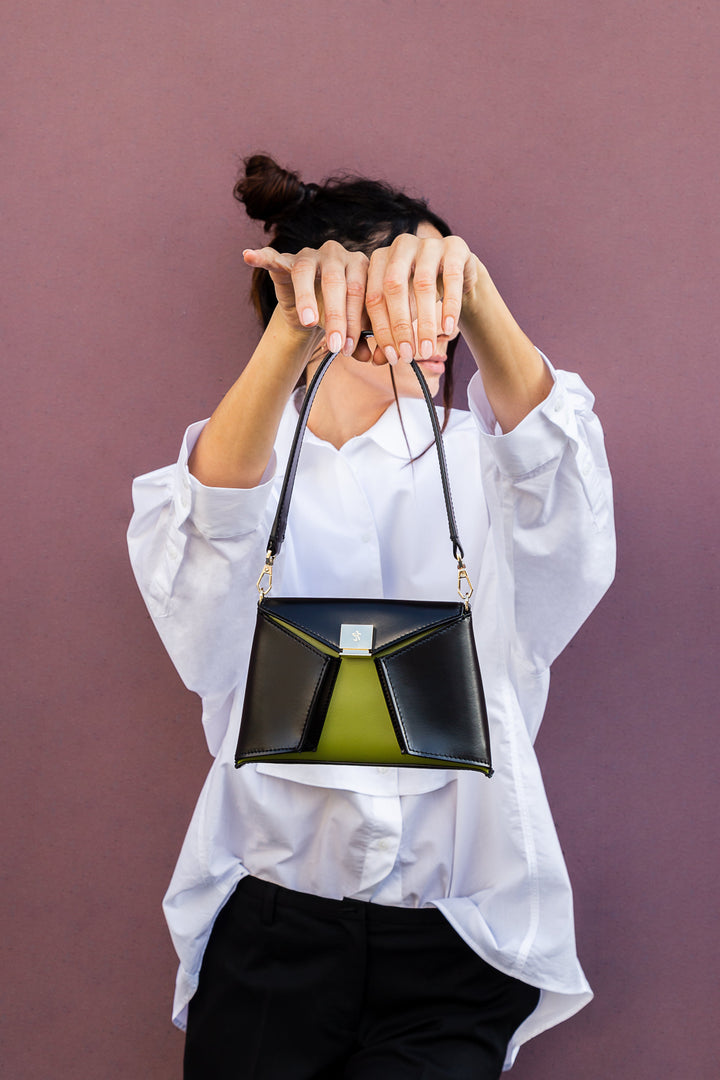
(574, 146)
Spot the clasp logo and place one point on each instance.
(356, 639)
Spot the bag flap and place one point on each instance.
(392, 620)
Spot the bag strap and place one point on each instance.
(277, 533)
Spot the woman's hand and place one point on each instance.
(415, 292)
(324, 286)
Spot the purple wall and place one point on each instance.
(574, 146)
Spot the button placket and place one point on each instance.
(385, 827)
(363, 528)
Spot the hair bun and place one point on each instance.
(268, 191)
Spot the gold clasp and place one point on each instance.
(464, 584)
(267, 570)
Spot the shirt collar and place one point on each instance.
(387, 432)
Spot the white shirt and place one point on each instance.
(534, 512)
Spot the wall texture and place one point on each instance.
(570, 143)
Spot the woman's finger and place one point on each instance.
(454, 268)
(396, 290)
(376, 306)
(304, 274)
(425, 290)
(356, 275)
(279, 267)
(333, 263)
(267, 258)
(294, 279)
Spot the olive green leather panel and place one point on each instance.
(357, 724)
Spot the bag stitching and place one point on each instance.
(446, 624)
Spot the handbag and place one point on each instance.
(363, 682)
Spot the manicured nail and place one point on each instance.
(348, 347)
(391, 354)
(449, 325)
(406, 352)
(308, 317)
(426, 349)
(335, 342)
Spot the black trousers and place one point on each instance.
(297, 987)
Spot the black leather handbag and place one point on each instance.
(363, 682)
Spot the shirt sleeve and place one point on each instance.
(197, 553)
(549, 494)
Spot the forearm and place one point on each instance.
(235, 446)
(514, 375)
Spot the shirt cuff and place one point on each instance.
(218, 513)
(543, 434)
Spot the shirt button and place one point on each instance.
(383, 845)
(383, 769)
(559, 402)
(366, 538)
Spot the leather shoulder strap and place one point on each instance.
(277, 534)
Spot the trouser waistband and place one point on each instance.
(277, 895)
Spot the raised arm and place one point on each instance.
(514, 374)
(236, 444)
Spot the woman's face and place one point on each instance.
(375, 379)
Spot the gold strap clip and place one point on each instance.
(266, 571)
(465, 587)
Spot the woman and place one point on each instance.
(342, 921)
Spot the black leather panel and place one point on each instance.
(393, 619)
(289, 686)
(435, 689)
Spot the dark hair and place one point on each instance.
(359, 213)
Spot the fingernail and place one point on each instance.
(349, 347)
(308, 317)
(406, 352)
(449, 325)
(391, 354)
(426, 349)
(335, 342)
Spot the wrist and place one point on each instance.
(292, 335)
(478, 296)
(287, 347)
